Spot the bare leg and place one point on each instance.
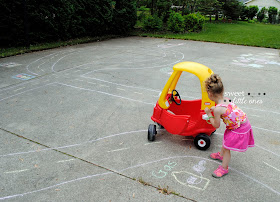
(222, 151)
(226, 157)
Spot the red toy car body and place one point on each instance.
(184, 117)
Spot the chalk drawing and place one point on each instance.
(170, 45)
(191, 180)
(256, 60)
(167, 70)
(23, 76)
(163, 173)
(9, 64)
(200, 167)
(141, 165)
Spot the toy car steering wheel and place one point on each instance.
(176, 95)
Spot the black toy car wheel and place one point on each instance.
(202, 141)
(152, 132)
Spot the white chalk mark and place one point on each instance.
(69, 146)
(255, 115)
(79, 80)
(192, 180)
(118, 149)
(27, 91)
(271, 166)
(118, 96)
(19, 89)
(59, 60)
(152, 143)
(138, 93)
(274, 131)
(91, 82)
(56, 185)
(119, 84)
(16, 171)
(101, 85)
(27, 67)
(65, 160)
(267, 150)
(262, 110)
(23, 83)
(206, 159)
(121, 89)
(132, 167)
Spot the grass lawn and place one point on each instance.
(241, 33)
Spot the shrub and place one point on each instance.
(176, 22)
(251, 21)
(194, 22)
(143, 8)
(153, 23)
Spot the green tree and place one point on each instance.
(272, 13)
(244, 12)
(124, 16)
(252, 11)
(231, 8)
(261, 14)
(208, 7)
(162, 8)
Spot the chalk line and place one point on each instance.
(74, 145)
(61, 59)
(274, 131)
(271, 166)
(27, 91)
(27, 67)
(119, 149)
(136, 166)
(56, 185)
(16, 171)
(102, 92)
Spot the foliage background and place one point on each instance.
(24, 22)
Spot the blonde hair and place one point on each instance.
(214, 84)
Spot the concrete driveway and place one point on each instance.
(74, 123)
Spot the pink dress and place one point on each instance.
(237, 136)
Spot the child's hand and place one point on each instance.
(212, 108)
(207, 110)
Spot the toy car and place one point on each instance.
(184, 117)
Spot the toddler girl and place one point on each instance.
(238, 135)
